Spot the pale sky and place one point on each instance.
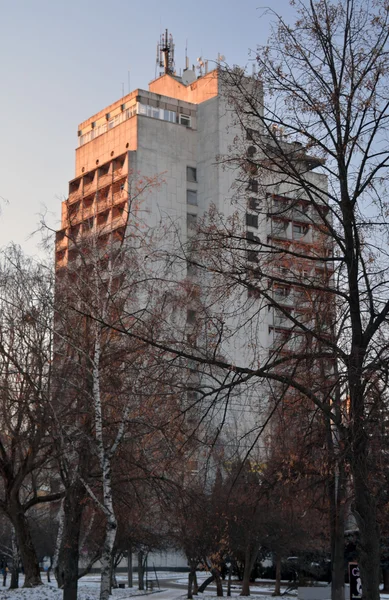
(64, 60)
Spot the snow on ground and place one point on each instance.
(89, 587)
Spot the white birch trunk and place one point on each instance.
(105, 464)
(15, 562)
(58, 541)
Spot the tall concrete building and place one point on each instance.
(178, 128)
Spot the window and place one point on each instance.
(279, 229)
(252, 256)
(279, 207)
(191, 174)
(254, 239)
(281, 320)
(254, 204)
(253, 292)
(191, 197)
(169, 115)
(190, 268)
(252, 185)
(191, 316)
(251, 134)
(281, 292)
(185, 120)
(104, 170)
(251, 220)
(191, 221)
(299, 231)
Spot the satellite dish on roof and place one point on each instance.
(188, 77)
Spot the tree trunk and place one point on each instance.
(141, 581)
(219, 584)
(32, 577)
(337, 515)
(114, 581)
(206, 583)
(15, 562)
(14, 577)
(129, 567)
(385, 574)
(364, 509)
(250, 558)
(246, 572)
(277, 587)
(336, 490)
(365, 514)
(106, 557)
(66, 571)
(195, 584)
(58, 541)
(229, 582)
(190, 585)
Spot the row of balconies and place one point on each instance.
(95, 203)
(98, 178)
(101, 223)
(72, 252)
(293, 340)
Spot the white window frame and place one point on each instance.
(185, 120)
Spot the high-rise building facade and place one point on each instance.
(179, 128)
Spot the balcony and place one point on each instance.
(61, 240)
(60, 259)
(104, 180)
(75, 190)
(301, 215)
(119, 196)
(118, 221)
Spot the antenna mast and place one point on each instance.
(165, 50)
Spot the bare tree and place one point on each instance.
(314, 169)
(26, 289)
(115, 389)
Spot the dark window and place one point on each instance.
(104, 170)
(191, 174)
(191, 268)
(251, 134)
(253, 185)
(253, 292)
(251, 237)
(191, 221)
(251, 220)
(191, 197)
(252, 256)
(254, 204)
(191, 316)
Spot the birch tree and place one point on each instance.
(116, 384)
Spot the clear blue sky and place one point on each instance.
(63, 60)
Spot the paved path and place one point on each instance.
(164, 595)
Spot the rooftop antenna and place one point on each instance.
(200, 65)
(157, 61)
(165, 54)
(220, 58)
(186, 56)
